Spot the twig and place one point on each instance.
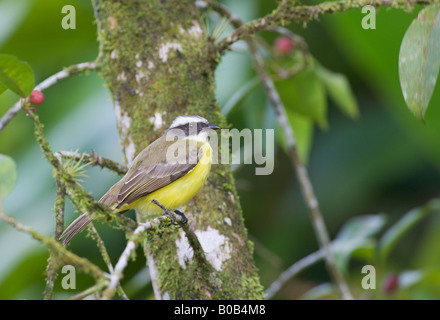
(53, 79)
(292, 271)
(301, 172)
(51, 269)
(51, 276)
(408, 220)
(287, 11)
(237, 23)
(9, 115)
(94, 159)
(86, 293)
(101, 246)
(232, 17)
(59, 210)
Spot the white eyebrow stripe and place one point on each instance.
(183, 120)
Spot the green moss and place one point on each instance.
(227, 187)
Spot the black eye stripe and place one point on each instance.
(190, 130)
(201, 126)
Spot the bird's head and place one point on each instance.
(191, 127)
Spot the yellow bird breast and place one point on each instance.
(180, 191)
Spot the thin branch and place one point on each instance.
(301, 171)
(225, 12)
(53, 79)
(66, 73)
(51, 276)
(292, 271)
(59, 210)
(101, 247)
(287, 12)
(9, 115)
(94, 159)
(88, 292)
(51, 269)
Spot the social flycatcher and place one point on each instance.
(159, 174)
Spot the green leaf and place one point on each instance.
(361, 227)
(304, 93)
(409, 278)
(16, 75)
(339, 90)
(8, 175)
(239, 95)
(355, 239)
(344, 250)
(366, 251)
(322, 291)
(419, 60)
(401, 227)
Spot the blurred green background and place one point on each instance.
(385, 162)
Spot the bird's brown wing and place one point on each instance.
(152, 170)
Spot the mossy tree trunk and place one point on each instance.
(158, 64)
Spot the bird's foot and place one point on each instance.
(171, 214)
(184, 218)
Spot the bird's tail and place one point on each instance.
(76, 226)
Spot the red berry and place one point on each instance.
(284, 44)
(36, 98)
(390, 283)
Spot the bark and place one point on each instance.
(158, 64)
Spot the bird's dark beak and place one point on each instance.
(212, 126)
